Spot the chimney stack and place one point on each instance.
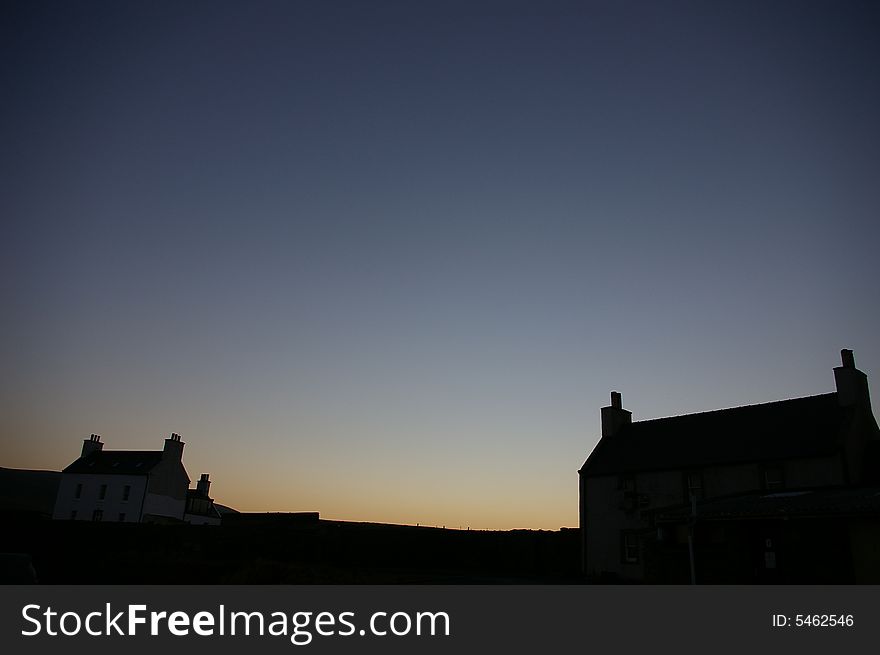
(91, 445)
(615, 417)
(852, 384)
(173, 447)
(203, 485)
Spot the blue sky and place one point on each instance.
(386, 260)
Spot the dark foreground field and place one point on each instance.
(286, 549)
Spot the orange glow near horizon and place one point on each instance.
(355, 490)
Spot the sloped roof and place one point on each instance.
(120, 462)
(786, 429)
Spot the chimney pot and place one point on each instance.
(92, 444)
(852, 384)
(204, 485)
(173, 447)
(615, 417)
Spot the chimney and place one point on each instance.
(173, 447)
(615, 416)
(203, 485)
(852, 384)
(92, 445)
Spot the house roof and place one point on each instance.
(120, 462)
(786, 429)
(804, 503)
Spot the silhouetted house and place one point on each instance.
(200, 508)
(131, 486)
(785, 491)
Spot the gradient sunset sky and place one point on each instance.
(386, 260)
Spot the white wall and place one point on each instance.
(166, 490)
(605, 521)
(162, 505)
(112, 505)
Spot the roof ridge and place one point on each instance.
(115, 461)
(730, 409)
(122, 450)
(808, 426)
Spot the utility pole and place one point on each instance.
(691, 529)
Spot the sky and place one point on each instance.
(386, 260)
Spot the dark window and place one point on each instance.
(79, 491)
(73, 515)
(772, 477)
(98, 515)
(102, 494)
(629, 548)
(627, 482)
(121, 516)
(126, 492)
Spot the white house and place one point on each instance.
(131, 486)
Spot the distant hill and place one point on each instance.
(23, 490)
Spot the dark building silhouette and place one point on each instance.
(785, 491)
(200, 509)
(132, 486)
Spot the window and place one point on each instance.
(626, 482)
(126, 492)
(73, 515)
(693, 485)
(98, 515)
(79, 491)
(102, 494)
(772, 478)
(629, 547)
(121, 517)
